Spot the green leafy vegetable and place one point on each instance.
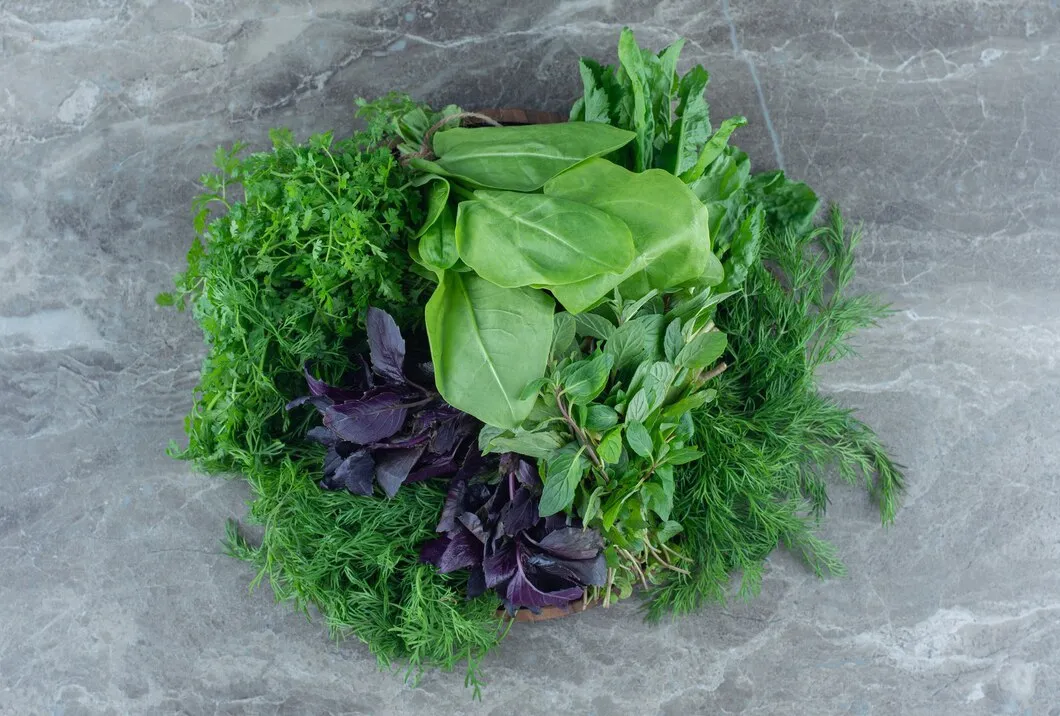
(522, 158)
(284, 275)
(487, 343)
(514, 239)
(668, 223)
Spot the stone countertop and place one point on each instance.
(934, 122)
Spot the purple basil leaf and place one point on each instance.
(578, 571)
(322, 435)
(522, 593)
(476, 583)
(386, 345)
(320, 389)
(355, 473)
(454, 505)
(463, 551)
(368, 420)
(526, 473)
(332, 460)
(320, 402)
(403, 443)
(499, 566)
(473, 524)
(519, 514)
(393, 466)
(427, 471)
(431, 552)
(572, 543)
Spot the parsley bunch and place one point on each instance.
(293, 246)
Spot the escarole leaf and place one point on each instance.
(521, 158)
(513, 239)
(635, 68)
(668, 222)
(605, 99)
(713, 148)
(487, 343)
(692, 127)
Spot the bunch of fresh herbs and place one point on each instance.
(293, 245)
(619, 299)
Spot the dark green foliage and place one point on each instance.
(356, 560)
(770, 439)
(311, 235)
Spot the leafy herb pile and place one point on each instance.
(284, 276)
(611, 383)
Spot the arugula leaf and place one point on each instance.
(788, 204)
(712, 149)
(744, 250)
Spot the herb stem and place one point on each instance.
(584, 439)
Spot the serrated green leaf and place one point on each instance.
(564, 470)
(635, 342)
(638, 438)
(683, 456)
(703, 350)
(673, 341)
(563, 335)
(593, 325)
(600, 418)
(668, 530)
(584, 380)
(638, 408)
(610, 448)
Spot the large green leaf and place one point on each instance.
(514, 239)
(668, 222)
(487, 343)
(520, 158)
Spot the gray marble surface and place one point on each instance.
(933, 121)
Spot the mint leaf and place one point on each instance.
(638, 438)
(563, 472)
(586, 379)
(703, 350)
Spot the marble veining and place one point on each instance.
(932, 122)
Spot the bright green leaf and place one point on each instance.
(522, 158)
(703, 350)
(673, 341)
(437, 246)
(487, 343)
(563, 471)
(514, 239)
(669, 225)
(594, 326)
(638, 438)
(692, 128)
(563, 333)
(584, 380)
(600, 418)
(713, 148)
(436, 195)
(610, 448)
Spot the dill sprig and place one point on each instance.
(771, 439)
(356, 560)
